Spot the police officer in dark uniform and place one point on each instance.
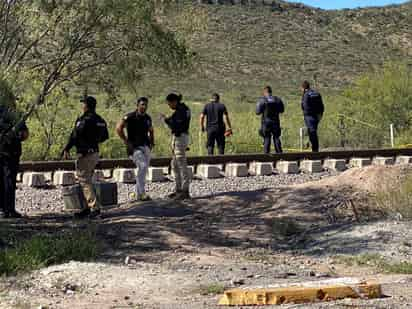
(270, 107)
(13, 132)
(179, 123)
(90, 130)
(313, 109)
(217, 118)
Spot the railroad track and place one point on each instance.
(51, 166)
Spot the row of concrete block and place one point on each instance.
(210, 171)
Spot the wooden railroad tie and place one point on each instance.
(305, 293)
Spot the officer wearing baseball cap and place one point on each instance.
(90, 130)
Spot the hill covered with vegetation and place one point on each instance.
(239, 47)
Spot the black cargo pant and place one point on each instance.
(312, 123)
(269, 133)
(8, 180)
(215, 136)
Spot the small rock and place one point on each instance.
(238, 282)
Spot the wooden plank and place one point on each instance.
(299, 294)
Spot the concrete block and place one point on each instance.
(287, 167)
(98, 176)
(404, 160)
(35, 180)
(124, 175)
(311, 166)
(338, 165)
(155, 174)
(48, 176)
(360, 162)
(107, 174)
(191, 170)
(64, 178)
(236, 170)
(19, 177)
(261, 168)
(208, 171)
(383, 161)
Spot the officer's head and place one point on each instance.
(267, 91)
(215, 97)
(305, 86)
(89, 104)
(142, 103)
(173, 99)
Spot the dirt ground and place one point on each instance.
(162, 254)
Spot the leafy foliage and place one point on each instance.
(45, 250)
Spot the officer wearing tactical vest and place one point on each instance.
(179, 123)
(12, 133)
(139, 142)
(313, 109)
(270, 107)
(90, 130)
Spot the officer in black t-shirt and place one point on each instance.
(217, 121)
(139, 140)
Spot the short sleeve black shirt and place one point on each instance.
(214, 113)
(138, 126)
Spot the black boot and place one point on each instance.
(82, 214)
(183, 195)
(94, 213)
(14, 215)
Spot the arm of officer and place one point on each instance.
(69, 145)
(281, 107)
(203, 115)
(202, 121)
(260, 106)
(121, 125)
(227, 119)
(151, 133)
(24, 133)
(305, 102)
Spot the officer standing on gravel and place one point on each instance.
(90, 130)
(13, 132)
(179, 123)
(217, 120)
(270, 107)
(313, 109)
(139, 142)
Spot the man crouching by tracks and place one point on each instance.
(179, 123)
(90, 130)
(139, 142)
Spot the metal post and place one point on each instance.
(301, 135)
(392, 136)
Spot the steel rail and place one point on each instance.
(50, 166)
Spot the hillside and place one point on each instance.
(246, 46)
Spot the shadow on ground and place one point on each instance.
(278, 219)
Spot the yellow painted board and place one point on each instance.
(296, 294)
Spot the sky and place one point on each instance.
(340, 4)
